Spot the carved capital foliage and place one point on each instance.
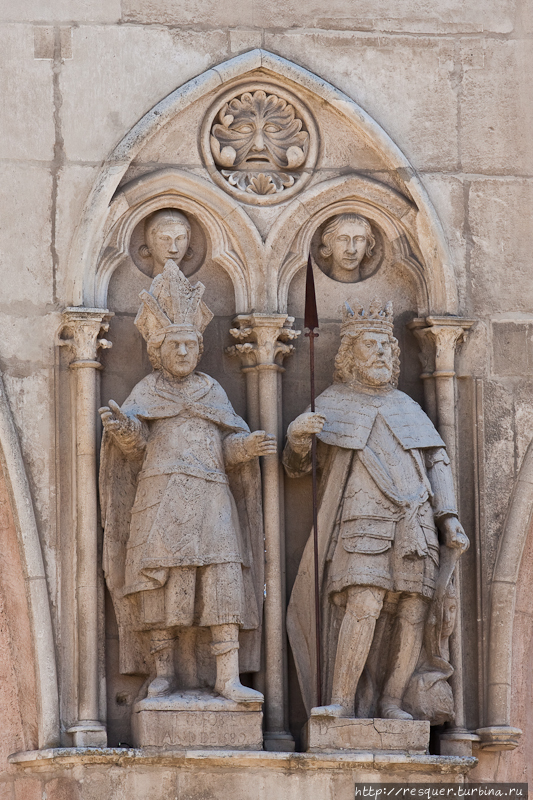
(81, 330)
(263, 339)
(427, 351)
(438, 338)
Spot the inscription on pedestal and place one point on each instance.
(195, 721)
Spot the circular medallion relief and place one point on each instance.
(260, 143)
(347, 248)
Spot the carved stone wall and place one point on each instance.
(262, 122)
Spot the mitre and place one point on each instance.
(375, 318)
(172, 303)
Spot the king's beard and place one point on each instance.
(377, 375)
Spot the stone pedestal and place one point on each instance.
(199, 721)
(324, 734)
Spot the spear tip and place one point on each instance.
(311, 311)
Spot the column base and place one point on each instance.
(457, 743)
(198, 720)
(88, 733)
(499, 737)
(278, 742)
(325, 734)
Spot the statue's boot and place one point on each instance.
(404, 654)
(162, 650)
(225, 646)
(363, 607)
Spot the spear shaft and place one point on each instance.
(311, 322)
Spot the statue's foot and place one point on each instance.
(393, 711)
(333, 710)
(161, 687)
(234, 690)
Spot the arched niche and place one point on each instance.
(388, 211)
(26, 602)
(232, 239)
(261, 249)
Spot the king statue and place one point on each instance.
(180, 496)
(389, 536)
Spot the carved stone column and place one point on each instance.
(80, 331)
(427, 359)
(442, 334)
(263, 347)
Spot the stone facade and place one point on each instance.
(263, 123)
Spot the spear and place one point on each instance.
(311, 322)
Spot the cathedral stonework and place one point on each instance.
(266, 399)
(263, 144)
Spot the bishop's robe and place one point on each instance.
(385, 478)
(182, 518)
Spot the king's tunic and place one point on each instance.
(385, 479)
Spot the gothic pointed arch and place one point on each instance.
(85, 280)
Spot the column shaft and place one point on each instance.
(82, 328)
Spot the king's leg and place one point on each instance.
(404, 654)
(162, 650)
(225, 647)
(363, 607)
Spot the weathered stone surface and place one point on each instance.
(195, 720)
(500, 254)
(62, 11)
(498, 69)
(450, 83)
(25, 238)
(448, 17)
(119, 91)
(27, 84)
(420, 113)
(327, 735)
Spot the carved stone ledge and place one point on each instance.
(499, 737)
(280, 762)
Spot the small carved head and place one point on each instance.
(346, 240)
(259, 130)
(167, 233)
(449, 612)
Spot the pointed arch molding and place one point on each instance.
(499, 734)
(87, 287)
(34, 577)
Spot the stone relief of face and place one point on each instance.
(167, 235)
(373, 358)
(180, 353)
(346, 241)
(259, 131)
(449, 615)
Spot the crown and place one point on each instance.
(375, 318)
(171, 304)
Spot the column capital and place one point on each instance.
(262, 339)
(81, 329)
(438, 338)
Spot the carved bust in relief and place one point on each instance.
(346, 240)
(262, 145)
(167, 234)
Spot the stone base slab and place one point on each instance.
(325, 734)
(154, 773)
(197, 720)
